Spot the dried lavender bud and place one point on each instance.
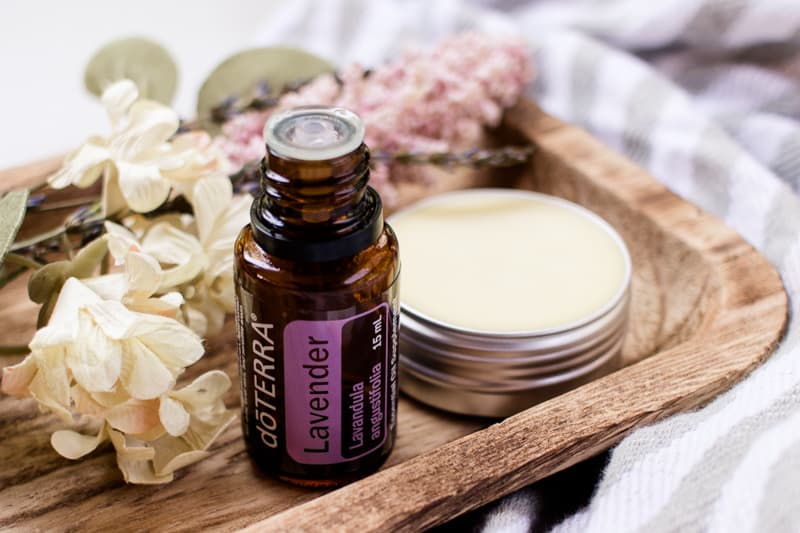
(224, 110)
(36, 200)
(476, 158)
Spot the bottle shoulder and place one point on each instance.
(379, 263)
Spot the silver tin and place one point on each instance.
(497, 374)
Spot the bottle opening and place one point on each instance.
(314, 133)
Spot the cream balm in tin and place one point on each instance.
(510, 297)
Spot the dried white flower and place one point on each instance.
(131, 158)
(102, 360)
(98, 344)
(141, 160)
(190, 255)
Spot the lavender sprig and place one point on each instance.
(247, 179)
(507, 156)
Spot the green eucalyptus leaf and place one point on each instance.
(46, 310)
(145, 62)
(45, 284)
(12, 213)
(48, 281)
(241, 73)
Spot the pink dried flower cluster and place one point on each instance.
(423, 101)
(242, 137)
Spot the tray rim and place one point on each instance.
(484, 465)
(447, 481)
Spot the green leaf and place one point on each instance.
(242, 72)
(141, 60)
(45, 284)
(12, 213)
(88, 258)
(48, 280)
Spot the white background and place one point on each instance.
(45, 45)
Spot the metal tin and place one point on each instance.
(496, 374)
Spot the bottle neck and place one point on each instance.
(317, 210)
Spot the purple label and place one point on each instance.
(336, 386)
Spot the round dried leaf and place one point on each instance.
(145, 62)
(241, 73)
(48, 280)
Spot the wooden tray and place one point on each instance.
(706, 309)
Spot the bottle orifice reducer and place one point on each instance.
(317, 309)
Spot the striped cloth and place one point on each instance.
(705, 94)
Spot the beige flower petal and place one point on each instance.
(169, 464)
(117, 99)
(222, 289)
(133, 448)
(150, 125)
(202, 434)
(109, 286)
(94, 359)
(110, 399)
(121, 241)
(85, 403)
(112, 201)
(74, 445)
(144, 375)
(196, 320)
(213, 314)
(173, 453)
(114, 319)
(134, 459)
(142, 185)
(17, 378)
(193, 157)
(140, 472)
(166, 307)
(50, 385)
(82, 167)
(174, 417)
(229, 225)
(210, 200)
(143, 274)
(151, 337)
(172, 246)
(173, 343)
(156, 432)
(172, 298)
(134, 416)
(204, 390)
(63, 325)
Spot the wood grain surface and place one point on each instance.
(706, 309)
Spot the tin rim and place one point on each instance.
(519, 373)
(539, 349)
(582, 211)
(459, 383)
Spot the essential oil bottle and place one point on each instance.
(317, 305)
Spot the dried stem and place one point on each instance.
(506, 156)
(14, 349)
(78, 222)
(8, 277)
(23, 261)
(66, 245)
(66, 204)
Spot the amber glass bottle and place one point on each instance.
(317, 309)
